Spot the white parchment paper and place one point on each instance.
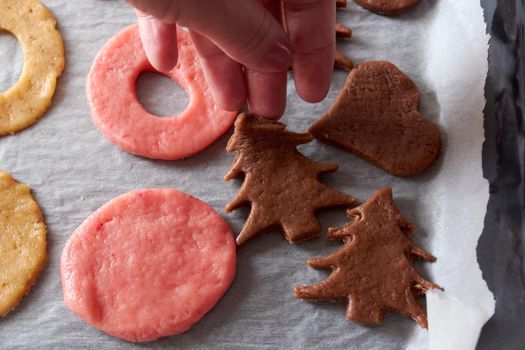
(73, 170)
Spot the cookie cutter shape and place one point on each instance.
(148, 264)
(22, 242)
(35, 27)
(119, 115)
(281, 185)
(374, 267)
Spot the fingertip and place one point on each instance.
(161, 64)
(159, 40)
(267, 94)
(310, 95)
(268, 112)
(313, 75)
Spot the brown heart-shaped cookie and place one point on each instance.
(387, 7)
(376, 117)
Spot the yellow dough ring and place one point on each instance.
(22, 242)
(35, 27)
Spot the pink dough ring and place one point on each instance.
(148, 264)
(118, 114)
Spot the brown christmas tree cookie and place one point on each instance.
(342, 61)
(387, 7)
(373, 269)
(376, 117)
(280, 184)
(342, 31)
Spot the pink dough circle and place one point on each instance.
(119, 115)
(148, 264)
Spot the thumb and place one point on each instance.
(243, 29)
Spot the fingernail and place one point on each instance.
(280, 56)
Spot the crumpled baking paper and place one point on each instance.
(73, 170)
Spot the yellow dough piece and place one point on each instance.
(22, 242)
(35, 27)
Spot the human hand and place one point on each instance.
(244, 51)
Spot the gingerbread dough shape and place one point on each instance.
(22, 242)
(281, 185)
(342, 61)
(119, 115)
(35, 27)
(387, 7)
(148, 264)
(373, 270)
(376, 117)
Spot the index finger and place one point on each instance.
(311, 30)
(159, 40)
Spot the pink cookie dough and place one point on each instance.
(119, 115)
(148, 264)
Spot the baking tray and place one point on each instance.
(501, 248)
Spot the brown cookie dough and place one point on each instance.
(341, 31)
(341, 3)
(376, 117)
(343, 61)
(373, 269)
(280, 184)
(387, 7)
